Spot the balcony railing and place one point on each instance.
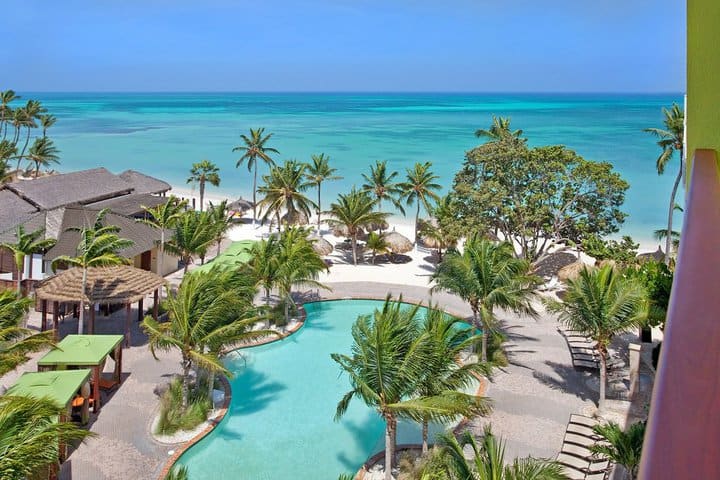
(683, 436)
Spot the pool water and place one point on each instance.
(284, 394)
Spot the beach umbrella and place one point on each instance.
(240, 205)
(571, 272)
(372, 227)
(398, 243)
(320, 245)
(658, 255)
(294, 218)
(342, 231)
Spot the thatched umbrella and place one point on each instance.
(658, 256)
(240, 205)
(398, 243)
(571, 272)
(295, 217)
(320, 245)
(342, 231)
(372, 227)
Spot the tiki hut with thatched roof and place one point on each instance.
(320, 245)
(398, 243)
(657, 256)
(571, 271)
(295, 217)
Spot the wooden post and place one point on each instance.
(91, 330)
(128, 321)
(140, 310)
(155, 304)
(43, 322)
(118, 363)
(56, 312)
(96, 388)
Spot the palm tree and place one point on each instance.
(27, 244)
(377, 244)
(31, 432)
(487, 276)
(202, 172)
(283, 191)
(389, 357)
(221, 222)
(317, 172)
(31, 111)
(178, 473)
(192, 234)
(420, 187)
(264, 264)
(163, 217)
(353, 212)
(16, 342)
(99, 246)
(42, 153)
(383, 186)
(602, 303)
(622, 448)
(206, 315)
(6, 111)
(671, 139)
(254, 149)
(47, 121)
(443, 374)
(488, 461)
(499, 130)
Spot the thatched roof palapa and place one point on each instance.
(572, 271)
(295, 218)
(320, 245)
(398, 243)
(114, 285)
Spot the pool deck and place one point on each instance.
(533, 397)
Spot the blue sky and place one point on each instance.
(344, 45)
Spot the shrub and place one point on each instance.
(172, 415)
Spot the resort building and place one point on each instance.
(60, 203)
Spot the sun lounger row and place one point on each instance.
(575, 455)
(582, 349)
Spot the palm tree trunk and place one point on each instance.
(254, 193)
(267, 297)
(211, 385)
(218, 248)
(202, 194)
(22, 153)
(480, 325)
(668, 238)
(319, 209)
(37, 169)
(354, 248)
(185, 381)
(81, 320)
(603, 378)
(160, 271)
(424, 436)
(186, 263)
(20, 267)
(389, 447)
(417, 218)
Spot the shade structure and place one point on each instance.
(295, 218)
(571, 272)
(372, 227)
(398, 243)
(342, 231)
(115, 285)
(658, 255)
(59, 386)
(320, 245)
(237, 253)
(240, 205)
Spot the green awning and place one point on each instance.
(237, 252)
(60, 386)
(81, 350)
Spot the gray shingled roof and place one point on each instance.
(130, 205)
(82, 187)
(13, 210)
(142, 183)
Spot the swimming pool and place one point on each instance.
(280, 421)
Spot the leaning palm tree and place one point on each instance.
(443, 373)
(31, 432)
(671, 139)
(355, 211)
(206, 315)
(192, 234)
(499, 130)
(283, 192)
(47, 121)
(264, 264)
(16, 342)
(622, 448)
(487, 461)
(487, 276)
(201, 173)
(254, 149)
(42, 153)
(383, 186)
(316, 173)
(389, 357)
(27, 244)
(6, 111)
(602, 303)
(221, 222)
(163, 217)
(30, 112)
(99, 247)
(420, 188)
(377, 244)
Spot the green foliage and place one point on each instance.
(537, 196)
(174, 417)
(253, 149)
(657, 278)
(42, 153)
(201, 173)
(624, 448)
(500, 131)
(420, 188)
(163, 217)
(191, 236)
(623, 252)
(383, 185)
(377, 245)
(283, 192)
(17, 342)
(26, 244)
(178, 473)
(316, 173)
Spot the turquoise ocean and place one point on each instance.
(164, 133)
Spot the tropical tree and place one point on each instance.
(389, 357)
(487, 276)
(488, 460)
(383, 185)
(204, 172)
(26, 244)
(420, 188)
(6, 111)
(500, 130)
(163, 217)
(42, 153)
(264, 264)
(206, 315)
(31, 433)
(443, 230)
(178, 473)
(283, 191)
(377, 244)
(47, 121)
(622, 448)
(316, 173)
(671, 139)
(354, 211)
(27, 116)
(221, 221)
(602, 303)
(254, 149)
(16, 342)
(99, 247)
(192, 233)
(443, 374)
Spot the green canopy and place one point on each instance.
(82, 350)
(60, 386)
(237, 252)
